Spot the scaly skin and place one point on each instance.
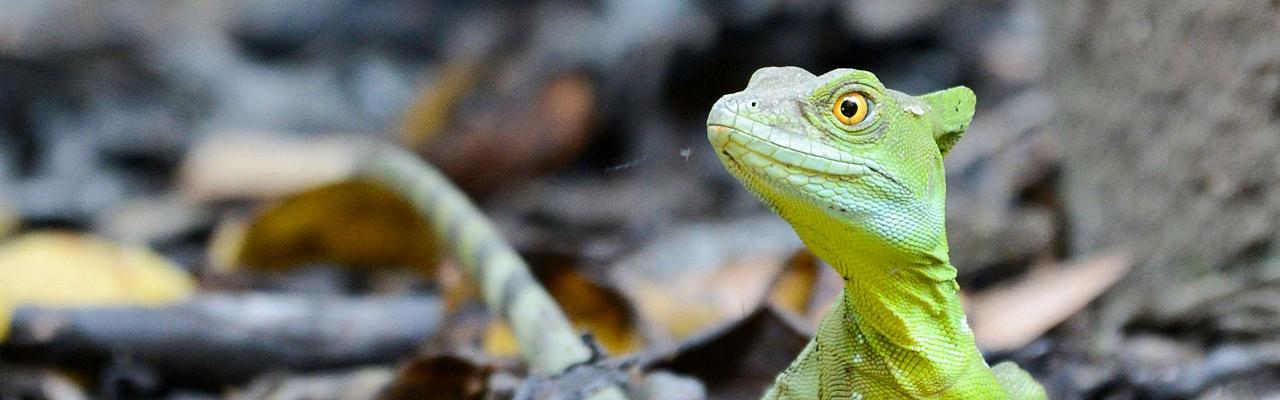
(866, 195)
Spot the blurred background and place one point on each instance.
(173, 222)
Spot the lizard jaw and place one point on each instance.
(776, 159)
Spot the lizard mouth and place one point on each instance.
(775, 159)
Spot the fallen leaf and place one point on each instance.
(740, 360)
(706, 275)
(265, 165)
(591, 307)
(353, 223)
(691, 305)
(431, 111)
(64, 269)
(806, 287)
(440, 377)
(1010, 316)
(514, 132)
(792, 290)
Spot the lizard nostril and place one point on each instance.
(753, 104)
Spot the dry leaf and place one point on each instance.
(63, 269)
(688, 306)
(440, 377)
(260, 165)
(352, 223)
(740, 360)
(806, 287)
(594, 308)
(432, 110)
(793, 290)
(1010, 316)
(706, 275)
(511, 133)
(590, 307)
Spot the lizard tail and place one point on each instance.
(547, 340)
(1018, 383)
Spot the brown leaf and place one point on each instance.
(431, 111)
(793, 289)
(740, 360)
(590, 307)
(518, 132)
(806, 287)
(440, 377)
(1010, 316)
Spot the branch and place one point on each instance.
(214, 339)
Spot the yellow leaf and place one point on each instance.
(353, 223)
(63, 269)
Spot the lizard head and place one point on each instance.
(841, 147)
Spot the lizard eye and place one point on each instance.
(851, 108)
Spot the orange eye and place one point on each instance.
(850, 108)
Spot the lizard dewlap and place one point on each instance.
(856, 168)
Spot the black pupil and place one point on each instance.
(849, 108)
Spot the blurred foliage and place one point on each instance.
(354, 223)
(63, 269)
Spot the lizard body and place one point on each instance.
(856, 169)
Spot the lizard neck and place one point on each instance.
(901, 310)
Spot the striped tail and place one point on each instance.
(547, 341)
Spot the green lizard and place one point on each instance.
(857, 170)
